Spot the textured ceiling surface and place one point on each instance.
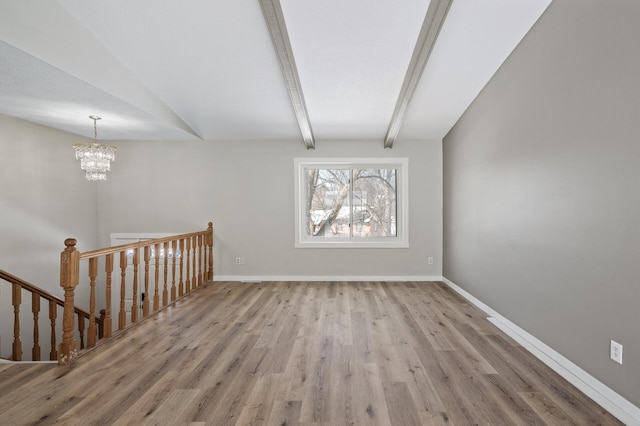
(204, 69)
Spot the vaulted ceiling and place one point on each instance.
(299, 70)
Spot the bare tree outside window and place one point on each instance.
(353, 202)
(374, 209)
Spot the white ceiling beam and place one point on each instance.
(274, 18)
(433, 21)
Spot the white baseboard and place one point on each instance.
(258, 278)
(617, 405)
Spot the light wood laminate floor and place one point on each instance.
(287, 353)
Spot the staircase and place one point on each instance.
(153, 274)
(39, 298)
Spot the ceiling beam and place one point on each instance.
(433, 20)
(274, 18)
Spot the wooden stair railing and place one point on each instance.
(55, 304)
(187, 258)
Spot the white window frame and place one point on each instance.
(401, 240)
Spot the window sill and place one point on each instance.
(353, 244)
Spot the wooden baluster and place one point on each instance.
(16, 299)
(194, 260)
(174, 247)
(106, 321)
(69, 276)
(122, 315)
(181, 283)
(156, 296)
(195, 283)
(210, 244)
(81, 329)
(194, 276)
(145, 302)
(165, 291)
(187, 283)
(203, 258)
(205, 269)
(53, 315)
(93, 273)
(35, 309)
(200, 263)
(134, 305)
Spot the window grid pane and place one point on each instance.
(327, 203)
(346, 203)
(374, 207)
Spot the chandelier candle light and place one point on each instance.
(95, 158)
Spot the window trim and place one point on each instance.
(401, 240)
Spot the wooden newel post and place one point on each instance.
(210, 244)
(69, 279)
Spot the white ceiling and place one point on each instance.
(163, 69)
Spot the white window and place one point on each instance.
(351, 202)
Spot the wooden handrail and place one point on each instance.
(194, 248)
(20, 284)
(140, 244)
(4, 275)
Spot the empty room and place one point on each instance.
(331, 212)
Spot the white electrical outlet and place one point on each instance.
(240, 261)
(430, 260)
(616, 352)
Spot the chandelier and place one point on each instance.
(95, 158)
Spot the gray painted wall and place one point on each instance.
(44, 199)
(541, 188)
(246, 189)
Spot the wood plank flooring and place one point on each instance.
(299, 353)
